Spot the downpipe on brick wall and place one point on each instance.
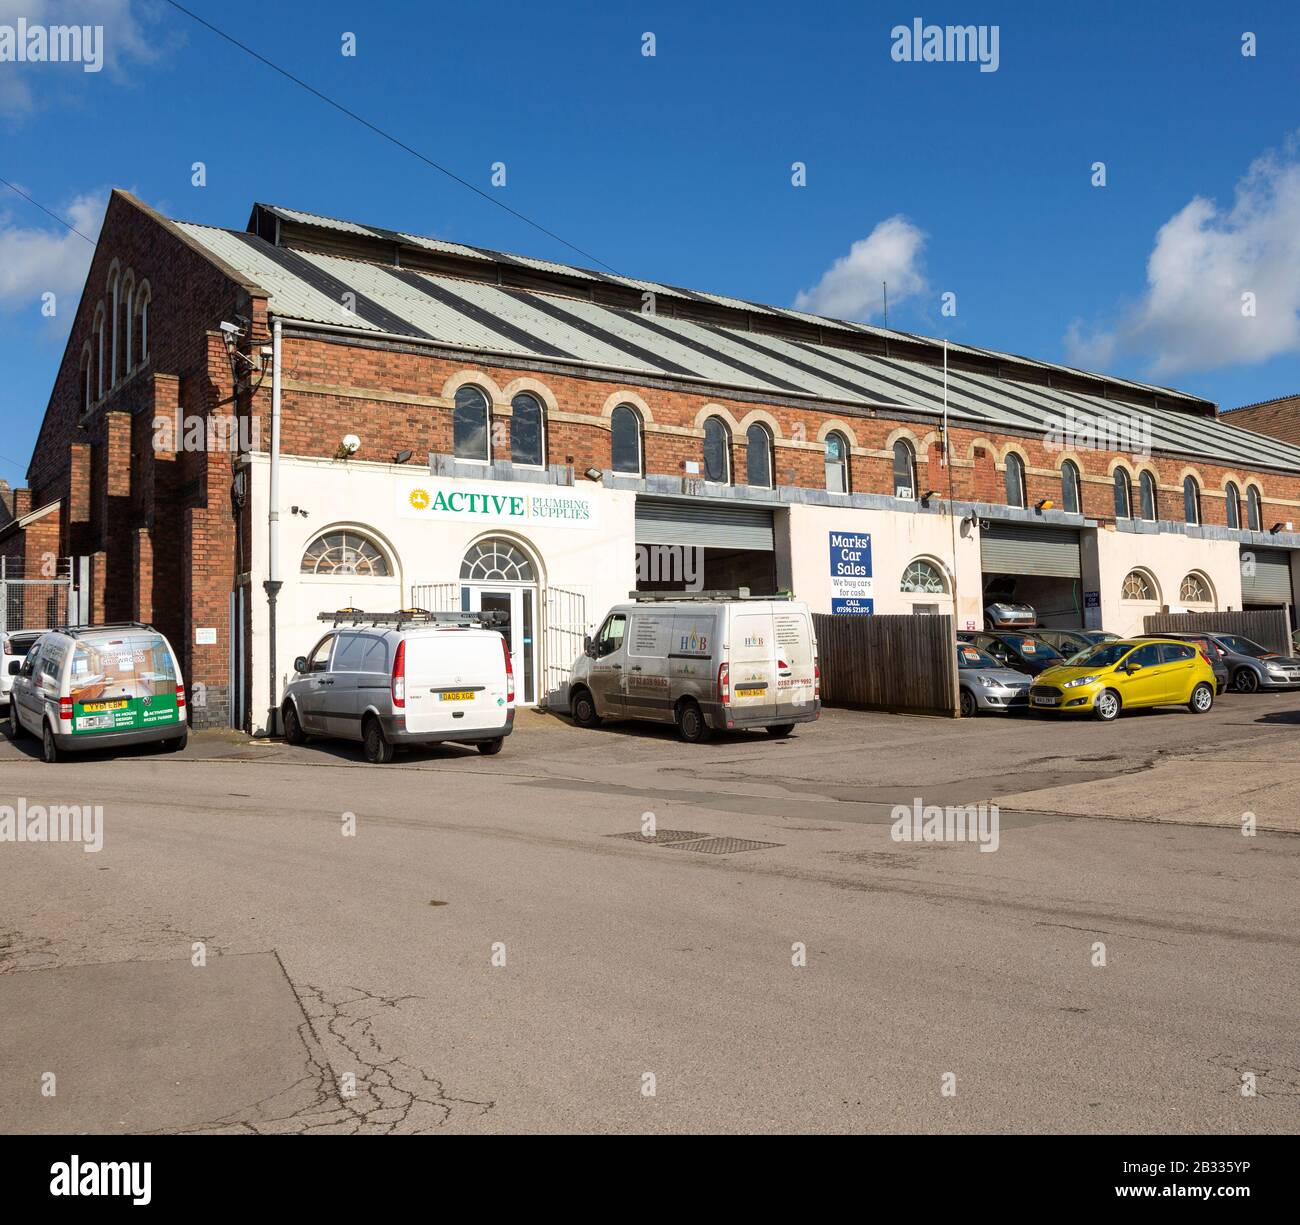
(273, 584)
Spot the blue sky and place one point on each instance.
(678, 167)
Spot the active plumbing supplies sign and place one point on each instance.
(851, 582)
(499, 504)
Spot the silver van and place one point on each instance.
(99, 687)
(393, 680)
(706, 663)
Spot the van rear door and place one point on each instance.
(751, 662)
(796, 662)
(455, 681)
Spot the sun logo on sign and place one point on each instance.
(420, 499)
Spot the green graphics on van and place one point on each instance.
(121, 684)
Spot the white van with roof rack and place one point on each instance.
(706, 661)
(401, 679)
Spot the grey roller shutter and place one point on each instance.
(1270, 582)
(1024, 548)
(703, 524)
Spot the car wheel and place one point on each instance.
(779, 731)
(293, 732)
(375, 744)
(49, 750)
(490, 748)
(969, 706)
(1202, 699)
(691, 725)
(16, 729)
(1246, 680)
(583, 709)
(1107, 706)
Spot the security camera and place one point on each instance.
(231, 329)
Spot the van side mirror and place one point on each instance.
(586, 646)
(300, 664)
(15, 666)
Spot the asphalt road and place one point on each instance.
(350, 982)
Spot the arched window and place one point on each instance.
(1254, 510)
(98, 332)
(1150, 506)
(1191, 500)
(345, 553)
(87, 362)
(128, 322)
(1195, 589)
(526, 431)
(143, 297)
(625, 439)
(114, 306)
(923, 578)
(1138, 585)
(1232, 500)
(717, 451)
(904, 470)
(1070, 487)
(1123, 495)
(469, 425)
(497, 561)
(837, 464)
(758, 456)
(1015, 480)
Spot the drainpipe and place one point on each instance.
(272, 584)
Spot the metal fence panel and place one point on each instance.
(889, 662)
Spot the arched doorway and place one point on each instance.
(497, 575)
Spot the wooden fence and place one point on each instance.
(1270, 628)
(888, 662)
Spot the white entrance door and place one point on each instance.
(520, 631)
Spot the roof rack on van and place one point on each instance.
(413, 616)
(73, 631)
(735, 593)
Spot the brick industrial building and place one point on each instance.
(527, 432)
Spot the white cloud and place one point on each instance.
(1204, 260)
(25, 87)
(850, 288)
(49, 259)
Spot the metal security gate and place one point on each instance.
(1265, 576)
(704, 524)
(1025, 548)
(566, 628)
(436, 597)
(36, 595)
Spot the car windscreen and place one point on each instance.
(1243, 646)
(973, 657)
(1033, 648)
(1106, 656)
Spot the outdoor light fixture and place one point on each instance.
(927, 495)
(1277, 527)
(593, 474)
(402, 456)
(1046, 504)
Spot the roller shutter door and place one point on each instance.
(1024, 548)
(1271, 581)
(704, 525)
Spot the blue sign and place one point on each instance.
(852, 585)
(1092, 599)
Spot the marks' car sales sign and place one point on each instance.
(466, 503)
(851, 582)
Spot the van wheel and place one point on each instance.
(490, 748)
(1202, 699)
(969, 706)
(1246, 681)
(779, 730)
(583, 708)
(293, 733)
(177, 744)
(1107, 706)
(49, 750)
(691, 725)
(375, 744)
(16, 729)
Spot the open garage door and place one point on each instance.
(701, 544)
(1029, 564)
(1265, 576)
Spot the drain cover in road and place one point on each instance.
(664, 836)
(723, 846)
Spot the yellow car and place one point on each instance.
(1128, 673)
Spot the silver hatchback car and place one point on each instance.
(985, 684)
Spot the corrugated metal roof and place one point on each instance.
(404, 302)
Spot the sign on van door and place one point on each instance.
(852, 586)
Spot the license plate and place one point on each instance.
(97, 706)
(1044, 701)
(749, 693)
(456, 695)
(92, 721)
